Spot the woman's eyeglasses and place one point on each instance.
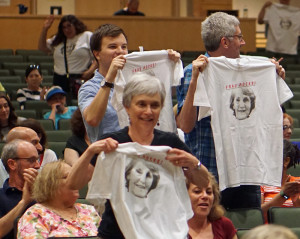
(285, 127)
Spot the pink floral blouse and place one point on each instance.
(40, 222)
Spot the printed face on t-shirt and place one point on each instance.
(241, 102)
(141, 177)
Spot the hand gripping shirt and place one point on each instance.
(147, 193)
(159, 64)
(284, 26)
(243, 96)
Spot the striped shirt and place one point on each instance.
(25, 94)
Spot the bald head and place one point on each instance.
(26, 134)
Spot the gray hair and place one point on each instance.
(215, 27)
(10, 151)
(143, 83)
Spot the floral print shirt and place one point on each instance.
(40, 222)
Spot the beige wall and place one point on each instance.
(43, 6)
(22, 32)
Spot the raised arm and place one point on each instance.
(7, 221)
(82, 170)
(94, 113)
(291, 189)
(187, 117)
(43, 37)
(262, 12)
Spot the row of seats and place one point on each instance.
(246, 219)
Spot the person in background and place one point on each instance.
(33, 91)
(208, 220)
(78, 142)
(270, 231)
(282, 27)
(8, 117)
(71, 43)
(131, 9)
(287, 126)
(56, 99)
(20, 159)
(288, 194)
(56, 213)
(46, 155)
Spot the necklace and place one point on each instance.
(69, 214)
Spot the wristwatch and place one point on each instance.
(104, 83)
(282, 194)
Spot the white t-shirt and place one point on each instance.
(160, 213)
(79, 55)
(284, 26)
(159, 64)
(49, 156)
(243, 96)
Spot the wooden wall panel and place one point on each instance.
(152, 8)
(14, 9)
(200, 7)
(182, 34)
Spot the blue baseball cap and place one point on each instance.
(54, 90)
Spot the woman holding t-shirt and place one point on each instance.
(143, 99)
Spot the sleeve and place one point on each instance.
(228, 228)
(86, 95)
(51, 156)
(283, 91)
(46, 116)
(31, 226)
(267, 14)
(49, 42)
(182, 89)
(21, 98)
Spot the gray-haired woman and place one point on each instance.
(143, 99)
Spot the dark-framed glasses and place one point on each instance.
(285, 127)
(30, 160)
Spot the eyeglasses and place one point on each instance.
(34, 66)
(30, 160)
(285, 127)
(240, 37)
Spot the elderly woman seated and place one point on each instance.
(56, 214)
(208, 220)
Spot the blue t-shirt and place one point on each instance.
(66, 115)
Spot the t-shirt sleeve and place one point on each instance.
(223, 228)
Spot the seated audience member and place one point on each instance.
(287, 126)
(33, 91)
(46, 155)
(208, 220)
(56, 214)
(130, 10)
(23, 133)
(78, 142)
(20, 159)
(8, 117)
(288, 194)
(56, 98)
(270, 231)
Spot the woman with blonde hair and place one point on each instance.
(208, 220)
(56, 213)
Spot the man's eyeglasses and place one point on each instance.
(240, 37)
(285, 127)
(30, 160)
